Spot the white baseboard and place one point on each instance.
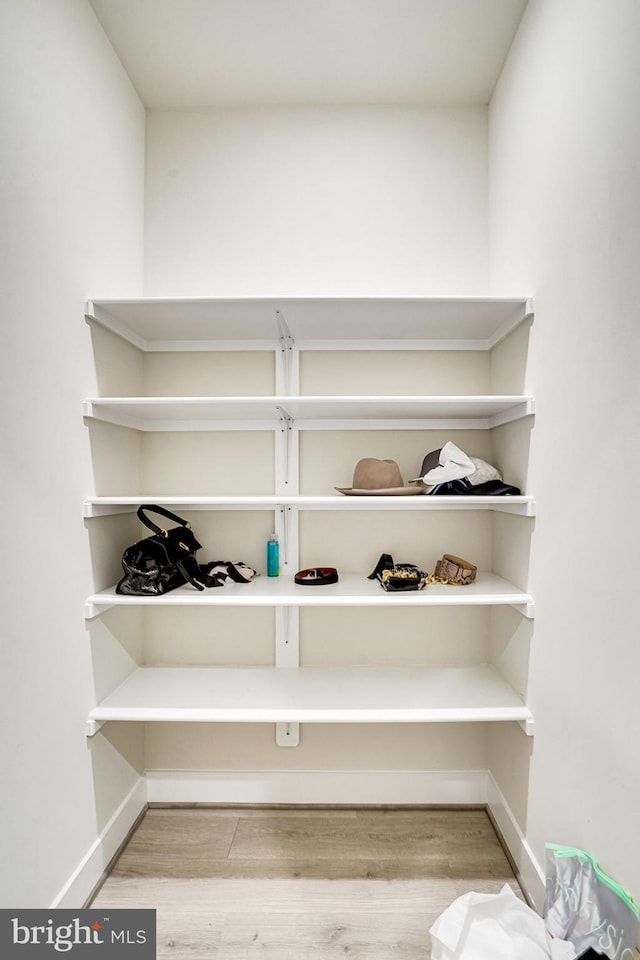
(317, 786)
(90, 870)
(530, 873)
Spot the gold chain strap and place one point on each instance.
(433, 579)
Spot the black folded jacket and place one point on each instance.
(462, 488)
(493, 488)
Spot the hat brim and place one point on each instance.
(425, 487)
(388, 492)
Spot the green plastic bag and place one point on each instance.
(586, 907)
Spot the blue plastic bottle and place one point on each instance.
(273, 556)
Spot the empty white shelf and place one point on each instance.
(104, 506)
(362, 694)
(469, 323)
(350, 590)
(216, 413)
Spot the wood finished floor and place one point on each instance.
(303, 884)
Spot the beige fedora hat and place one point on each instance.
(373, 477)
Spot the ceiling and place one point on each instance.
(194, 54)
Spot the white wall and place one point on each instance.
(565, 225)
(311, 201)
(72, 144)
(323, 201)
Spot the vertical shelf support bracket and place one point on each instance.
(287, 642)
(284, 511)
(286, 527)
(286, 352)
(287, 657)
(286, 428)
(287, 734)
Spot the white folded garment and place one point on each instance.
(454, 464)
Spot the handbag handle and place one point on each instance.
(154, 508)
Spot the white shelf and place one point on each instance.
(468, 323)
(351, 590)
(235, 413)
(104, 506)
(363, 694)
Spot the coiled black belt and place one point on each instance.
(316, 576)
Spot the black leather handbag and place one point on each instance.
(161, 563)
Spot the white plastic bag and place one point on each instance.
(493, 926)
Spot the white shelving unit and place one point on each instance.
(287, 693)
